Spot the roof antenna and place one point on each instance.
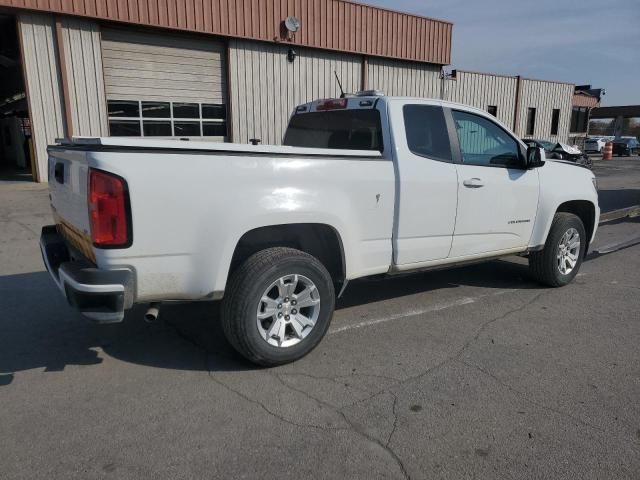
(342, 94)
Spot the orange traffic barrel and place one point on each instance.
(607, 152)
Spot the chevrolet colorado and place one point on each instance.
(363, 185)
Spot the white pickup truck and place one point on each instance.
(364, 185)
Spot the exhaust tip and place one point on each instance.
(152, 313)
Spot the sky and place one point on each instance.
(593, 42)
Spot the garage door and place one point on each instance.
(164, 85)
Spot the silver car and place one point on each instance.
(594, 145)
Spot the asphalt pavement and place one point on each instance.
(476, 372)
(618, 182)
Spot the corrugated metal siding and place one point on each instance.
(481, 90)
(399, 78)
(474, 139)
(544, 97)
(156, 67)
(328, 24)
(83, 59)
(39, 56)
(265, 87)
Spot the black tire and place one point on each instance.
(544, 264)
(242, 298)
(587, 162)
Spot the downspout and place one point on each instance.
(228, 94)
(364, 77)
(64, 77)
(517, 106)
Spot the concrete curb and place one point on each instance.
(631, 212)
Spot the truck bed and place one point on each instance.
(114, 143)
(191, 202)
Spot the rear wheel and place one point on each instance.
(560, 260)
(278, 306)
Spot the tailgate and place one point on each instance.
(68, 184)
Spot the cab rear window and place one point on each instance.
(344, 129)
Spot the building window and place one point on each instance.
(493, 110)
(579, 119)
(555, 121)
(531, 121)
(133, 118)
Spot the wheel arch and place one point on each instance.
(585, 211)
(321, 240)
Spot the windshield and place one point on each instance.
(548, 145)
(344, 129)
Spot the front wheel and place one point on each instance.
(558, 263)
(587, 162)
(278, 306)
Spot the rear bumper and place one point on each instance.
(102, 295)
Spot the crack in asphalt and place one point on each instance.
(524, 396)
(336, 378)
(351, 426)
(269, 411)
(489, 323)
(304, 393)
(475, 337)
(395, 418)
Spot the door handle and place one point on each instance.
(473, 183)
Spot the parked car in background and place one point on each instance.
(595, 145)
(561, 151)
(548, 146)
(626, 146)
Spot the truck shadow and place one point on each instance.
(39, 331)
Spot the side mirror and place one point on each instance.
(535, 157)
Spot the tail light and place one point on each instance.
(332, 104)
(109, 210)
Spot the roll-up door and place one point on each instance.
(164, 85)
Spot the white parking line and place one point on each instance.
(422, 311)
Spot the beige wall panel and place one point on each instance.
(42, 76)
(83, 58)
(266, 87)
(399, 78)
(544, 97)
(481, 90)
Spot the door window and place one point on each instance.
(427, 134)
(484, 143)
